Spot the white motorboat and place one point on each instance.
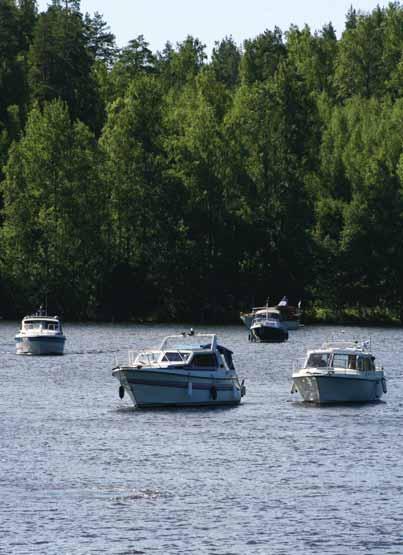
(187, 370)
(267, 327)
(340, 372)
(40, 334)
(290, 316)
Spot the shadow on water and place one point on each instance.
(176, 409)
(335, 406)
(90, 352)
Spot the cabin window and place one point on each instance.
(341, 360)
(366, 364)
(318, 360)
(352, 362)
(204, 360)
(33, 325)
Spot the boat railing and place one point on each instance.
(298, 364)
(143, 357)
(363, 345)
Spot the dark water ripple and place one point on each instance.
(82, 472)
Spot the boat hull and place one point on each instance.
(153, 388)
(267, 334)
(324, 389)
(39, 345)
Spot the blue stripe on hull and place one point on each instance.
(182, 385)
(51, 339)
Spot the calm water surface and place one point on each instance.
(82, 472)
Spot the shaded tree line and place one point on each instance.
(173, 185)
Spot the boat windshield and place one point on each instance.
(175, 356)
(145, 357)
(40, 324)
(188, 342)
(344, 360)
(317, 360)
(267, 316)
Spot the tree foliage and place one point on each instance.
(137, 184)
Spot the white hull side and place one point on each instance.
(339, 389)
(160, 389)
(40, 345)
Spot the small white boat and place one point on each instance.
(267, 327)
(290, 316)
(40, 334)
(187, 370)
(340, 372)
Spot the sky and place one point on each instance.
(212, 20)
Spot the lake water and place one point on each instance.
(82, 472)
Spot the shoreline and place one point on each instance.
(308, 318)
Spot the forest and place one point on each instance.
(181, 186)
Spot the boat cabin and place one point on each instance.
(349, 359)
(267, 314)
(42, 324)
(206, 355)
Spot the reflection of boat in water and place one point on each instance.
(267, 327)
(40, 334)
(339, 372)
(188, 369)
(290, 316)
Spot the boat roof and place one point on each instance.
(272, 309)
(38, 317)
(348, 347)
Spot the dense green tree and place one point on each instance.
(358, 217)
(61, 63)
(225, 61)
(270, 148)
(196, 148)
(271, 169)
(136, 58)
(180, 66)
(393, 50)
(369, 53)
(54, 212)
(262, 56)
(100, 41)
(28, 14)
(12, 77)
(373, 228)
(313, 56)
(144, 210)
(16, 24)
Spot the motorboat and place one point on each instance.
(268, 327)
(40, 334)
(189, 369)
(340, 372)
(290, 316)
